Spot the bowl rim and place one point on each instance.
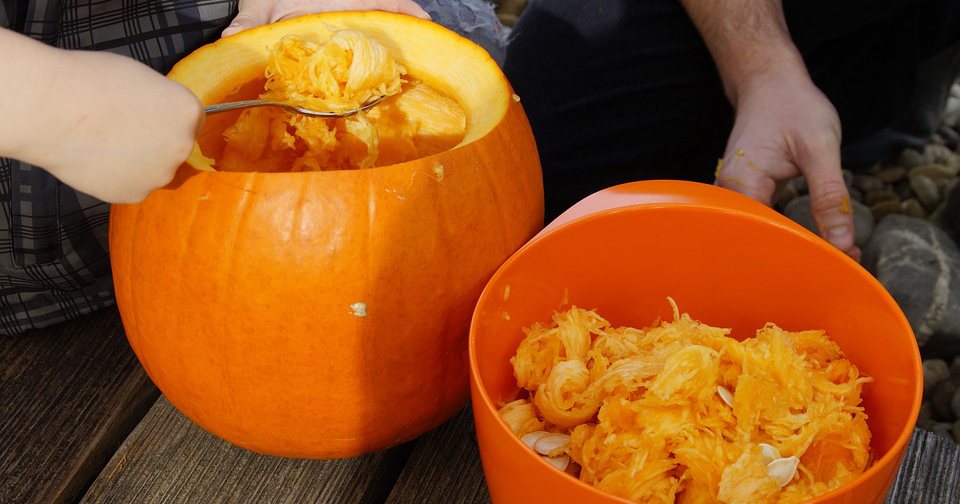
(895, 451)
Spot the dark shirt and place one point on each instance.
(622, 90)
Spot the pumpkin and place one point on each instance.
(324, 314)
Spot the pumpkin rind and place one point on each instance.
(325, 314)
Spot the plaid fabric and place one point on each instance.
(53, 240)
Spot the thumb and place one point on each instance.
(830, 200)
(252, 13)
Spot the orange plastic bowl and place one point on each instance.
(727, 261)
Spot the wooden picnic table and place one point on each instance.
(81, 422)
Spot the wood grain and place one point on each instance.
(169, 459)
(69, 395)
(444, 467)
(930, 473)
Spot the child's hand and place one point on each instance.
(260, 12)
(114, 128)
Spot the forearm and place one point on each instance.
(82, 116)
(28, 76)
(748, 40)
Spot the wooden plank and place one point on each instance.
(444, 467)
(169, 459)
(930, 473)
(70, 394)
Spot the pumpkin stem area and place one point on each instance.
(335, 71)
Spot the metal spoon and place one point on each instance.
(222, 107)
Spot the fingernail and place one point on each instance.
(840, 237)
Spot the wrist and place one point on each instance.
(759, 68)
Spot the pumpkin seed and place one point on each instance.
(726, 395)
(552, 445)
(768, 453)
(783, 470)
(531, 438)
(560, 462)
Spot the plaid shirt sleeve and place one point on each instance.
(54, 263)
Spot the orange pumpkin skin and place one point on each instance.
(325, 314)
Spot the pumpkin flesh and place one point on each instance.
(342, 71)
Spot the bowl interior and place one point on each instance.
(725, 268)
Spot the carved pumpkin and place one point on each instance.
(324, 314)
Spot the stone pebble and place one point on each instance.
(934, 171)
(867, 183)
(934, 371)
(941, 396)
(913, 208)
(955, 404)
(879, 196)
(951, 113)
(926, 412)
(912, 157)
(926, 190)
(903, 189)
(919, 265)
(949, 135)
(944, 430)
(891, 174)
(884, 208)
(856, 194)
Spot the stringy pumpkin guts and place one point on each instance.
(682, 412)
(340, 71)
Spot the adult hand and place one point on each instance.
(254, 13)
(113, 127)
(786, 127)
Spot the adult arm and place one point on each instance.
(104, 124)
(784, 126)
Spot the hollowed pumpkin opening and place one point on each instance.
(436, 98)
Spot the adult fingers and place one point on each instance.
(252, 13)
(829, 198)
(408, 7)
(746, 176)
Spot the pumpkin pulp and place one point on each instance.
(647, 420)
(337, 70)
